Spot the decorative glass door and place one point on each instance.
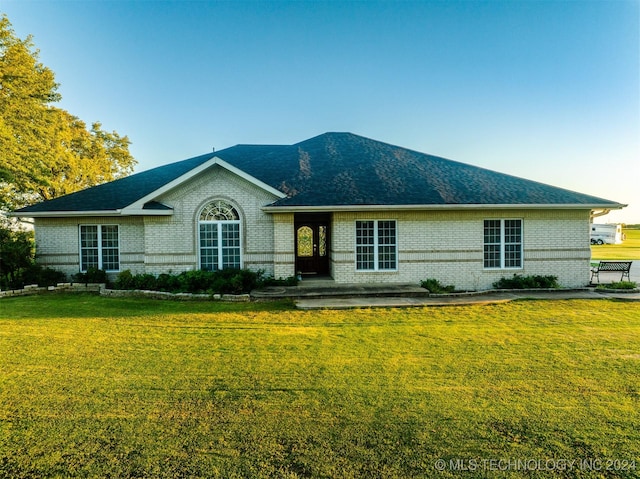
(312, 245)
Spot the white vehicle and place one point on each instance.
(606, 234)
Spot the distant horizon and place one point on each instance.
(547, 91)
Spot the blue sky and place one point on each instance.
(546, 90)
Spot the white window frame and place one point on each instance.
(218, 231)
(100, 248)
(503, 244)
(376, 247)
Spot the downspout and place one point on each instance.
(595, 214)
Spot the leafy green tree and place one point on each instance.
(46, 151)
(16, 252)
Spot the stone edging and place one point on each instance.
(101, 289)
(32, 289)
(128, 293)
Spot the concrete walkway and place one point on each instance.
(452, 300)
(326, 294)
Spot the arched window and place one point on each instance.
(219, 211)
(219, 227)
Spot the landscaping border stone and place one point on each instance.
(102, 290)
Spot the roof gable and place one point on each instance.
(136, 194)
(142, 203)
(118, 194)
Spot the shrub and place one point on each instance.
(434, 286)
(271, 281)
(124, 280)
(93, 275)
(195, 281)
(618, 285)
(167, 282)
(243, 281)
(527, 282)
(36, 274)
(33, 274)
(145, 281)
(234, 281)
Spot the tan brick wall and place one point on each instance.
(448, 246)
(171, 242)
(284, 240)
(57, 242)
(157, 244)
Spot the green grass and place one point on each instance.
(629, 249)
(99, 387)
(618, 285)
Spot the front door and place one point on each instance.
(312, 244)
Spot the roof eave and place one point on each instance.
(62, 214)
(325, 208)
(74, 214)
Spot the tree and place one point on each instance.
(16, 252)
(46, 151)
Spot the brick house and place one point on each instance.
(338, 205)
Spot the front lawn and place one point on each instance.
(99, 387)
(629, 249)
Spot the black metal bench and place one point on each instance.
(611, 267)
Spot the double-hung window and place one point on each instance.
(502, 244)
(99, 247)
(376, 245)
(219, 236)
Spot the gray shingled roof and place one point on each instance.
(120, 193)
(339, 169)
